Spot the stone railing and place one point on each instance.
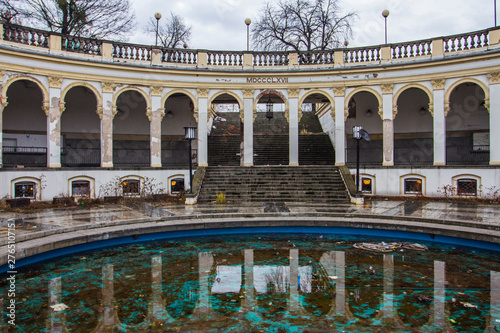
(337, 58)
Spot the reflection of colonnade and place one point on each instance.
(334, 264)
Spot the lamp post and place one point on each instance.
(248, 22)
(385, 13)
(157, 17)
(359, 133)
(190, 135)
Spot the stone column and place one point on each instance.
(293, 125)
(439, 294)
(57, 318)
(3, 104)
(248, 119)
(54, 123)
(328, 261)
(155, 117)
(108, 297)
(205, 262)
(108, 113)
(202, 119)
(293, 306)
(439, 117)
(339, 117)
(494, 109)
(156, 299)
(249, 300)
(340, 282)
(495, 301)
(388, 302)
(388, 114)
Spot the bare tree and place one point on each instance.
(10, 11)
(302, 25)
(173, 32)
(88, 18)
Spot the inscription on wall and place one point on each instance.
(271, 80)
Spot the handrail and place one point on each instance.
(120, 50)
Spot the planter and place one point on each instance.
(65, 201)
(113, 199)
(18, 202)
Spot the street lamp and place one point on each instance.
(157, 17)
(385, 13)
(190, 136)
(359, 133)
(248, 22)
(269, 109)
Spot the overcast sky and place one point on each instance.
(219, 24)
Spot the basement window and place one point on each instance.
(131, 187)
(366, 185)
(25, 190)
(80, 188)
(413, 186)
(176, 185)
(467, 186)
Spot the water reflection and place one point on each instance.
(275, 289)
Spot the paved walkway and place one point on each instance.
(57, 220)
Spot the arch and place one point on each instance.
(91, 87)
(85, 178)
(412, 176)
(140, 91)
(271, 92)
(173, 177)
(232, 94)
(181, 91)
(417, 86)
(317, 91)
(43, 89)
(132, 177)
(361, 89)
(483, 85)
(455, 186)
(37, 181)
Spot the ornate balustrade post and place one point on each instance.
(437, 47)
(494, 37)
(54, 122)
(55, 42)
(248, 119)
(108, 113)
(107, 50)
(156, 56)
(385, 53)
(202, 127)
(202, 59)
(155, 118)
(439, 294)
(389, 113)
(247, 60)
(294, 118)
(439, 118)
(339, 58)
(339, 118)
(494, 109)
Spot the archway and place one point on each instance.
(271, 140)
(363, 110)
(131, 130)
(467, 125)
(316, 130)
(80, 129)
(226, 135)
(179, 109)
(413, 129)
(24, 126)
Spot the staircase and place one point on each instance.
(274, 184)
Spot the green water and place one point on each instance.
(273, 283)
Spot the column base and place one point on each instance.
(339, 163)
(156, 165)
(202, 164)
(439, 163)
(494, 163)
(247, 165)
(294, 164)
(388, 164)
(106, 165)
(54, 165)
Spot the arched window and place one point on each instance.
(467, 186)
(131, 186)
(413, 186)
(25, 189)
(176, 185)
(80, 188)
(367, 185)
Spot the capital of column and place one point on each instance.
(387, 89)
(115, 111)
(196, 115)
(99, 111)
(149, 113)
(394, 111)
(55, 81)
(62, 106)
(431, 109)
(202, 92)
(3, 103)
(156, 90)
(108, 87)
(339, 91)
(248, 93)
(46, 108)
(446, 109)
(242, 115)
(494, 78)
(162, 113)
(293, 93)
(438, 84)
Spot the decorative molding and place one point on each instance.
(438, 84)
(149, 113)
(287, 115)
(196, 116)
(115, 111)
(162, 113)
(248, 93)
(381, 112)
(395, 111)
(339, 91)
(494, 78)
(242, 115)
(387, 89)
(55, 81)
(487, 104)
(46, 108)
(300, 114)
(3, 103)
(254, 114)
(62, 106)
(108, 87)
(446, 109)
(346, 114)
(293, 93)
(202, 92)
(156, 90)
(332, 112)
(99, 111)
(431, 109)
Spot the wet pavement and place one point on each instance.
(31, 222)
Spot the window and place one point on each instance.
(467, 186)
(413, 186)
(80, 188)
(366, 185)
(25, 190)
(176, 185)
(131, 187)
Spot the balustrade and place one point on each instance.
(362, 54)
(131, 51)
(81, 45)
(412, 49)
(225, 58)
(316, 57)
(468, 41)
(270, 58)
(179, 56)
(28, 36)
